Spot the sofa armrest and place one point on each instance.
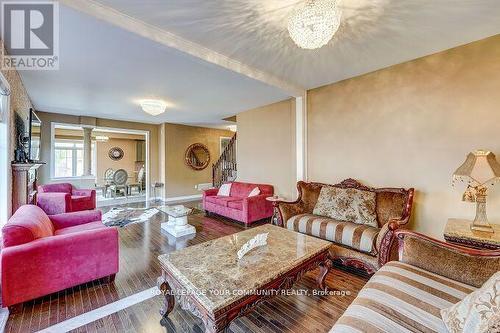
(257, 206)
(54, 202)
(383, 244)
(84, 193)
(466, 265)
(76, 218)
(50, 264)
(210, 192)
(287, 209)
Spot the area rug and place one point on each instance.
(120, 217)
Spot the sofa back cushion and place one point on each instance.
(347, 204)
(242, 190)
(27, 224)
(61, 188)
(391, 203)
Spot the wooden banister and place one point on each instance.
(224, 169)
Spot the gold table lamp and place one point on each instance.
(479, 171)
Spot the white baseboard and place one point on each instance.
(120, 201)
(183, 198)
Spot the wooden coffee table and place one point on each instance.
(210, 281)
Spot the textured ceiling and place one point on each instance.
(374, 33)
(105, 70)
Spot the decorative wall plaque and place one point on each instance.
(116, 153)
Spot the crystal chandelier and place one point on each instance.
(313, 25)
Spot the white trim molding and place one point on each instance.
(151, 32)
(183, 198)
(301, 136)
(5, 148)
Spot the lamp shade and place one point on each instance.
(480, 166)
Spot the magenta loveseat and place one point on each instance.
(63, 198)
(42, 255)
(238, 206)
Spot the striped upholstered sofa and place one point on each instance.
(408, 294)
(354, 244)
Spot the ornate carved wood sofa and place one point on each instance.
(407, 294)
(354, 244)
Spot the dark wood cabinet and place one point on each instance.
(24, 184)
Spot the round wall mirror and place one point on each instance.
(197, 156)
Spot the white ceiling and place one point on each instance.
(374, 33)
(104, 69)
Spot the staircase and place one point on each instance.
(224, 170)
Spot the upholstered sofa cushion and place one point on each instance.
(221, 200)
(27, 224)
(347, 204)
(478, 312)
(402, 298)
(236, 204)
(80, 227)
(356, 236)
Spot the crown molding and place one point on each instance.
(169, 39)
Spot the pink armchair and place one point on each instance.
(63, 198)
(42, 255)
(238, 206)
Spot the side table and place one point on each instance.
(275, 220)
(458, 231)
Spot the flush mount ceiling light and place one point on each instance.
(101, 138)
(313, 25)
(153, 106)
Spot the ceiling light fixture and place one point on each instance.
(313, 25)
(153, 106)
(101, 138)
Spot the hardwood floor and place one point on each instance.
(140, 244)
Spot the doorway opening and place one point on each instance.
(113, 161)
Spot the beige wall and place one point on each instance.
(47, 119)
(411, 125)
(20, 103)
(104, 162)
(181, 179)
(266, 147)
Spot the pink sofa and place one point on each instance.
(63, 198)
(42, 255)
(238, 206)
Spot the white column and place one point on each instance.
(301, 136)
(87, 151)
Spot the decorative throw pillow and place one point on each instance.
(224, 190)
(254, 192)
(347, 204)
(479, 312)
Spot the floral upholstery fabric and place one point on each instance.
(348, 204)
(478, 312)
